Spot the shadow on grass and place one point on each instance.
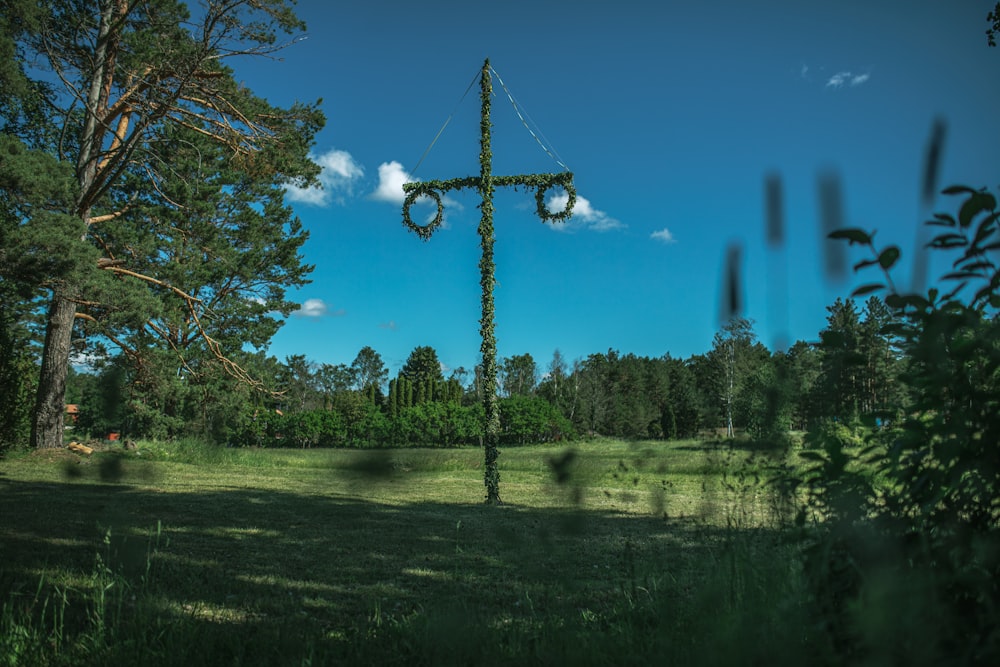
(738, 445)
(330, 568)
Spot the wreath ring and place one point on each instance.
(423, 231)
(543, 212)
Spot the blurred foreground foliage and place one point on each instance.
(905, 560)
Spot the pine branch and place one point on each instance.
(111, 216)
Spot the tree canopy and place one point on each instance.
(154, 152)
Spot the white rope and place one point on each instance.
(550, 151)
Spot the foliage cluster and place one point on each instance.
(764, 394)
(355, 422)
(142, 192)
(906, 560)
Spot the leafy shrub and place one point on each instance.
(828, 432)
(314, 428)
(436, 424)
(369, 428)
(906, 569)
(531, 419)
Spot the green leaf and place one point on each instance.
(949, 299)
(945, 241)
(887, 258)
(987, 294)
(977, 268)
(864, 263)
(868, 289)
(957, 190)
(985, 229)
(974, 205)
(941, 219)
(899, 302)
(853, 235)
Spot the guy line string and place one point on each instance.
(522, 114)
(448, 120)
(551, 152)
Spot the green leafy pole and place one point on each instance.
(486, 182)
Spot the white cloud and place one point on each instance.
(390, 325)
(664, 236)
(259, 300)
(840, 78)
(583, 213)
(314, 308)
(391, 177)
(338, 173)
(86, 362)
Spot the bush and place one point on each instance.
(437, 424)
(314, 428)
(907, 561)
(369, 428)
(829, 433)
(531, 419)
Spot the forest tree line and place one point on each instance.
(849, 375)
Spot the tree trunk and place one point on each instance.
(50, 402)
(731, 367)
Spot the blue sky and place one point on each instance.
(670, 114)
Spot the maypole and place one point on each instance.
(486, 183)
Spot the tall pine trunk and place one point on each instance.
(47, 424)
(50, 401)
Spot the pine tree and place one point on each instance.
(422, 365)
(133, 73)
(842, 362)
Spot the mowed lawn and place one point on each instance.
(332, 550)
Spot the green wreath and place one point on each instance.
(541, 183)
(565, 181)
(415, 192)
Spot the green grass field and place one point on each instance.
(618, 553)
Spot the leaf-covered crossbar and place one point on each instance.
(541, 183)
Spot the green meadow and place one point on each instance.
(603, 552)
